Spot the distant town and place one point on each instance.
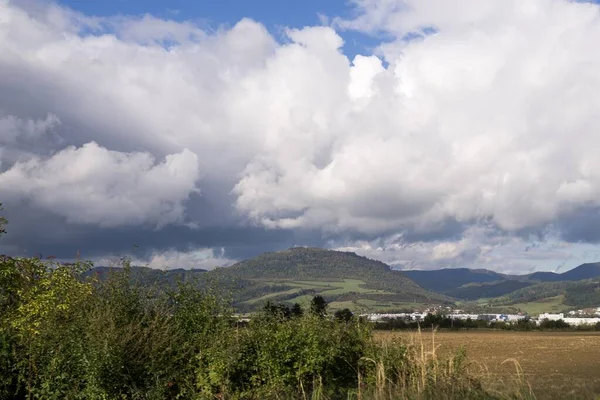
(588, 316)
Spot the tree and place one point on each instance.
(297, 310)
(318, 306)
(3, 223)
(277, 310)
(343, 315)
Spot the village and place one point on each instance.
(590, 316)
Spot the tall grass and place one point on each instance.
(410, 367)
(66, 335)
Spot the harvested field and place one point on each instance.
(557, 365)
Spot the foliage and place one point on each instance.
(344, 315)
(311, 264)
(64, 334)
(450, 279)
(586, 294)
(318, 306)
(553, 324)
(295, 275)
(487, 290)
(580, 294)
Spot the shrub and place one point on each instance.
(67, 335)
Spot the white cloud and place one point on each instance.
(492, 118)
(480, 247)
(193, 259)
(91, 184)
(200, 258)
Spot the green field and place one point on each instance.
(274, 294)
(330, 288)
(549, 305)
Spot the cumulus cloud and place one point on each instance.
(486, 117)
(492, 117)
(94, 185)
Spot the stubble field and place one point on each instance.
(557, 365)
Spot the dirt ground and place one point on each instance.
(557, 365)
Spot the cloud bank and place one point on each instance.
(471, 122)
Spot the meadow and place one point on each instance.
(354, 294)
(557, 365)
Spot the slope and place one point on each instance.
(448, 279)
(298, 273)
(573, 294)
(472, 284)
(584, 271)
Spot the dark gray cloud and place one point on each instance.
(581, 225)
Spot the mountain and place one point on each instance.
(348, 280)
(486, 290)
(449, 279)
(295, 275)
(341, 277)
(472, 284)
(544, 276)
(584, 271)
(570, 294)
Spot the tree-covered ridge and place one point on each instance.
(581, 294)
(449, 279)
(486, 290)
(473, 284)
(313, 264)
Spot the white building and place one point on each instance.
(582, 321)
(551, 317)
(575, 321)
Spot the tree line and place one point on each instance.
(439, 321)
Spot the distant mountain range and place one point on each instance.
(471, 284)
(348, 280)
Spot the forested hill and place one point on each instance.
(574, 294)
(293, 275)
(472, 284)
(314, 264)
(449, 279)
(584, 271)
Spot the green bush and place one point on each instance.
(66, 335)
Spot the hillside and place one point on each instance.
(295, 275)
(569, 294)
(349, 280)
(472, 284)
(486, 290)
(450, 279)
(345, 279)
(584, 271)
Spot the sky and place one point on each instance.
(184, 134)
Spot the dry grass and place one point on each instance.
(557, 365)
(411, 366)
